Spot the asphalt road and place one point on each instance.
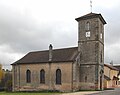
(108, 92)
(116, 91)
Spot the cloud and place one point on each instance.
(31, 25)
(21, 33)
(7, 56)
(112, 53)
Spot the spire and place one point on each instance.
(91, 6)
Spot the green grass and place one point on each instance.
(28, 93)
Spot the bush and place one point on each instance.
(6, 82)
(8, 86)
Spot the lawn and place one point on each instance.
(27, 93)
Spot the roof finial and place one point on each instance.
(91, 6)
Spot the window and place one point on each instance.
(81, 56)
(101, 60)
(116, 82)
(85, 78)
(88, 26)
(42, 76)
(28, 76)
(101, 35)
(58, 76)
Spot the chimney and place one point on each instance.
(111, 63)
(50, 52)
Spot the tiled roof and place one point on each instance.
(59, 55)
(111, 67)
(117, 66)
(106, 77)
(91, 15)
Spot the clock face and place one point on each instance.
(88, 34)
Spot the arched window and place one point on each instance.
(88, 26)
(42, 76)
(28, 76)
(101, 33)
(101, 58)
(58, 76)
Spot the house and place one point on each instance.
(66, 69)
(110, 76)
(118, 67)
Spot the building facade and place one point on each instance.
(91, 48)
(69, 69)
(118, 67)
(111, 79)
(36, 71)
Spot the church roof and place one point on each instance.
(117, 66)
(91, 15)
(59, 55)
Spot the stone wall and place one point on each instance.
(92, 53)
(19, 76)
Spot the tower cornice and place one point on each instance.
(90, 16)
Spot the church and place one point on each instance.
(66, 69)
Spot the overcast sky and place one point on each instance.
(31, 25)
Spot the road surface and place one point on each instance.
(108, 92)
(116, 91)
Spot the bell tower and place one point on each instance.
(91, 49)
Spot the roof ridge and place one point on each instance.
(54, 49)
(65, 48)
(112, 67)
(59, 55)
(91, 15)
